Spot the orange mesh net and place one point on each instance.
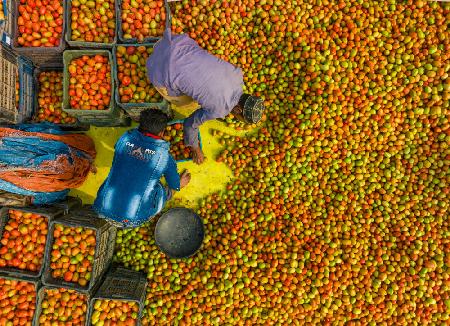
(64, 173)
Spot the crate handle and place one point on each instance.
(116, 296)
(70, 284)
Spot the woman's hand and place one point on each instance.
(197, 155)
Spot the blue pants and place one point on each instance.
(126, 225)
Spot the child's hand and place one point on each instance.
(185, 178)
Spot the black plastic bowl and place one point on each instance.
(179, 233)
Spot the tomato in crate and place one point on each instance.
(59, 306)
(119, 299)
(24, 237)
(23, 241)
(40, 26)
(72, 254)
(133, 83)
(50, 97)
(79, 250)
(37, 30)
(141, 21)
(90, 83)
(107, 311)
(92, 22)
(17, 301)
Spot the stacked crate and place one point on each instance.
(16, 87)
(40, 55)
(35, 242)
(23, 240)
(122, 288)
(6, 22)
(22, 107)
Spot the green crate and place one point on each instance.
(51, 212)
(118, 119)
(122, 120)
(134, 109)
(83, 44)
(104, 247)
(95, 117)
(121, 284)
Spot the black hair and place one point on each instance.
(242, 100)
(153, 121)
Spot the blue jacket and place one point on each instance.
(132, 192)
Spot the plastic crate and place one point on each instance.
(199, 139)
(95, 117)
(13, 68)
(51, 212)
(82, 44)
(37, 285)
(40, 56)
(6, 26)
(121, 284)
(120, 36)
(41, 297)
(105, 240)
(9, 71)
(119, 120)
(122, 120)
(134, 109)
(77, 126)
(135, 112)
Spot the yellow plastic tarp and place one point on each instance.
(207, 178)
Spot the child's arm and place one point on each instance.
(174, 180)
(171, 174)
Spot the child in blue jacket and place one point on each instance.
(132, 192)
